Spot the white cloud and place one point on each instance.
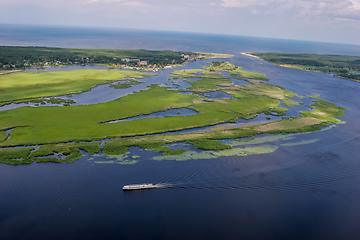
(355, 4)
(344, 9)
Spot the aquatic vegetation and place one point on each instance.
(60, 100)
(63, 152)
(192, 155)
(16, 156)
(290, 103)
(53, 125)
(91, 148)
(169, 151)
(69, 151)
(260, 140)
(302, 142)
(208, 144)
(122, 159)
(125, 84)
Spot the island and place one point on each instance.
(341, 66)
(62, 133)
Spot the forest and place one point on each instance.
(339, 65)
(14, 57)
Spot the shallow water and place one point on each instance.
(306, 188)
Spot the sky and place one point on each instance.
(314, 20)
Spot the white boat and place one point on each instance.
(138, 186)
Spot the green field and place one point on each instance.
(54, 127)
(341, 66)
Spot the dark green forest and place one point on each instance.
(339, 65)
(12, 57)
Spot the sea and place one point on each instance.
(307, 188)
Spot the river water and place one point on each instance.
(308, 188)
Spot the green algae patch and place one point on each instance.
(16, 156)
(302, 142)
(169, 151)
(23, 86)
(260, 140)
(122, 159)
(192, 155)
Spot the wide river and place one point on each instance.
(308, 188)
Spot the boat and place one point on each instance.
(138, 186)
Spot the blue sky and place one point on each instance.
(315, 20)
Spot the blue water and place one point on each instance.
(308, 191)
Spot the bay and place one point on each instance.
(308, 188)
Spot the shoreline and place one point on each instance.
(249, 55)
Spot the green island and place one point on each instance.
(60, 133)
(341, 66)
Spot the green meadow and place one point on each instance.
(55, 127)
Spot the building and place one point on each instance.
(141, 63)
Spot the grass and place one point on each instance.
(16, 156)
(127, 84)
(29, 85)
(206, 84)
(208, 144)
(290, 103)
(51, 125)
(3, 136)
(70, 152)
(197, 73)
(235, 70)
(58, 124)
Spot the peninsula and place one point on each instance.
(341, 66)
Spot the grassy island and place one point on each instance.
(28, 86)
(339, 65)
(64, 132)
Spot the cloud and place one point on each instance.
(335, 9)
